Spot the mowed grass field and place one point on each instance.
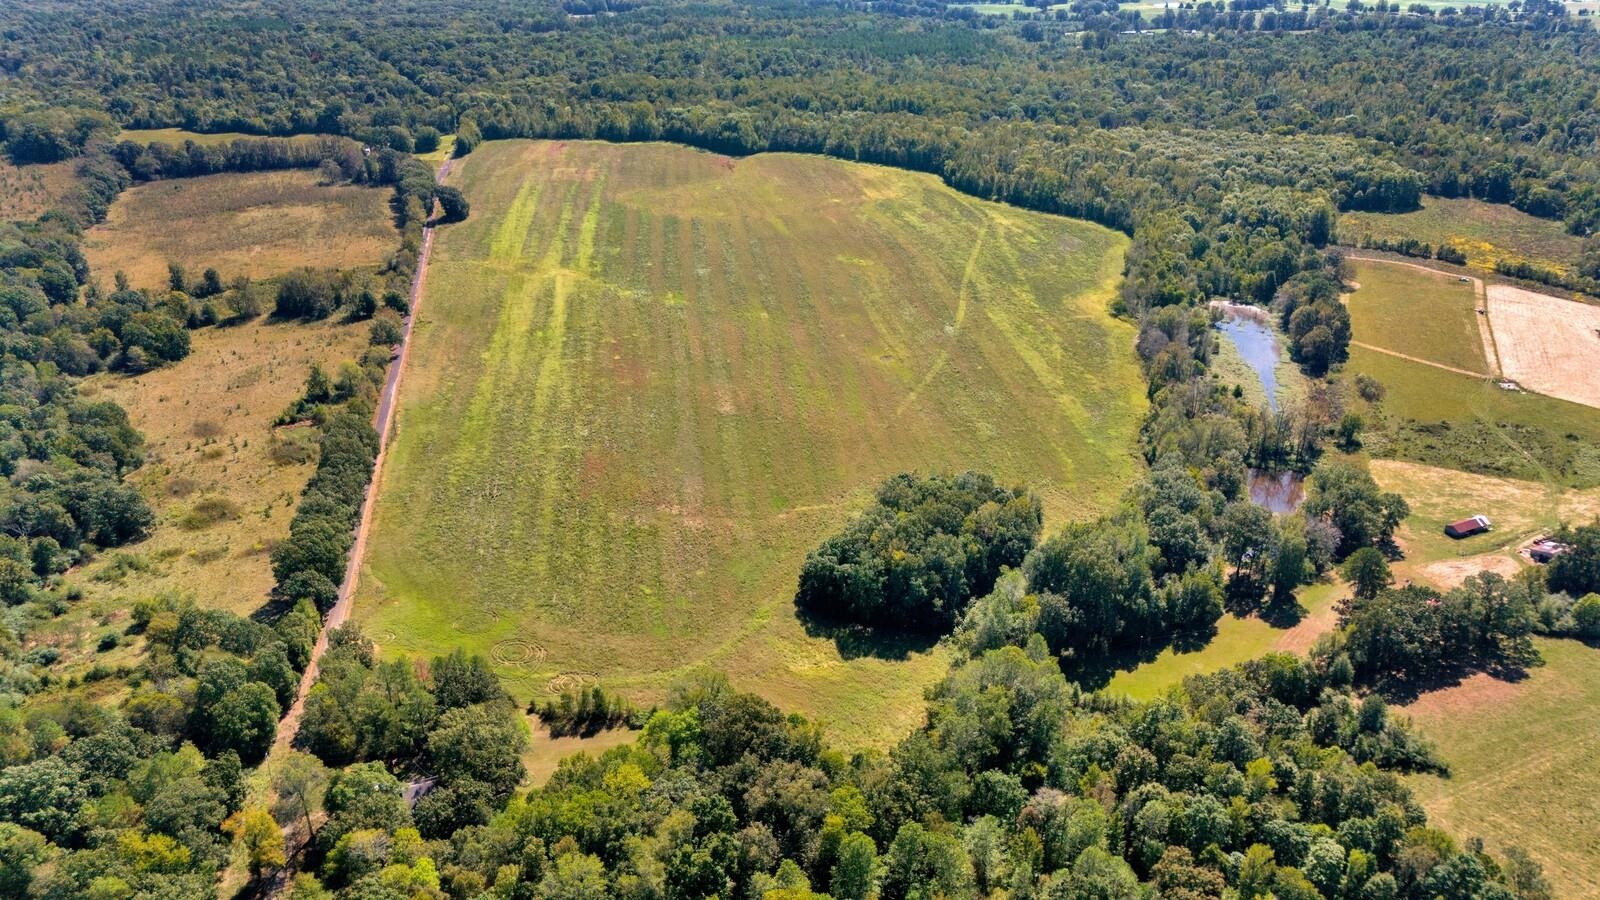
(1486, 232)
(1522, 759)
(1428, 315)
(258, 224)
(1521, 753)
(1456, 420)
(646, 380)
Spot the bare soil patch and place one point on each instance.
(1547, 344)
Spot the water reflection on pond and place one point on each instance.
(1251, 333)
(1278, 492)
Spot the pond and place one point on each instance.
(1247, 327)
(1278, 491)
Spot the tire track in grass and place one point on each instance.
(967, 277)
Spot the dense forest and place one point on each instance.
(1223, 139)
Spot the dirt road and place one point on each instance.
(383, 421)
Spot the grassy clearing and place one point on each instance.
(1521, 753)
(180, 136)
(221, 482)
(1431, 316)
(27, 191)
(1447, 419)
(1237, 639)
(1522, 763)
(646, 380)
(1486, 232)
(258, 224)
(545, 752)
(447, 146)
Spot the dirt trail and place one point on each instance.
(1418, 359)
(382, 420)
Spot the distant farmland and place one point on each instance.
(1486, 232)
(258, 224)
(647, 379)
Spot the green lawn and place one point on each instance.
(1237, 640)
(1522, 758)
(1431, 316)
(179, 135)
(646, 380)
(1486, 232)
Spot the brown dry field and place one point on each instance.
(1547, 344)
(27, 191)
(207, 423)
(259, 224)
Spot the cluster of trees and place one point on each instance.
(1268, 779)
(450, 721)
(140, 797)
(1405, 638)
(309, 564)
(1409, 246)
(924, 548)
(586, 711)
(1315, 322)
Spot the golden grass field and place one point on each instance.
(27, 191)
(1547, 344)
(1486, 232)
(258, 224)
(646, 380)
(207, 423)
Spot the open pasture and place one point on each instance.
(1238, 639)
(1547, 344)
(1486, 232)
(221, 481)
(646, 380)
(1424, 314)
(258, 224)
(1443, 418)
(1521, 755)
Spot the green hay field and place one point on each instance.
(646, 380)
(1422, 314)
(1522, 758)
(1486, 232)
(258, 224)
(1447, 419)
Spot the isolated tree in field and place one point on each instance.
(1367, 573)
(177, 279)
(210, 284)
(452, 205)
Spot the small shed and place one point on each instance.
(1545, 549)
(1467, 527)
